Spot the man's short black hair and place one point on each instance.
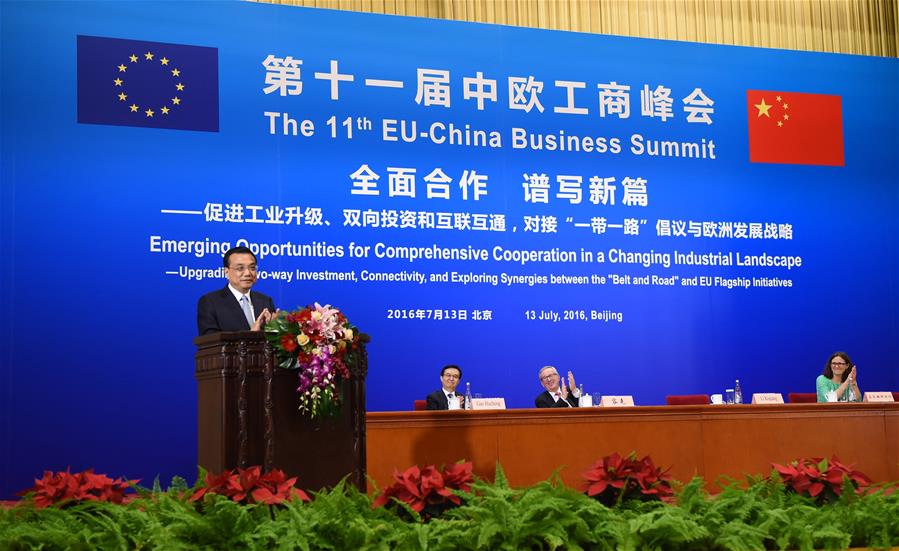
(237, 250)
(456, 367)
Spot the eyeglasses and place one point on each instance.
(548, 377)
(838, 363)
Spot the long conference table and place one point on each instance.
(708, 441)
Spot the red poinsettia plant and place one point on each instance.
(320, 343)
(251, 486)
(66, 488)
(821, 479)
(427, 490)
(615, 479)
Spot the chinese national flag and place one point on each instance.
(794, 128)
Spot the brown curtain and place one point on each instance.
(865, 27)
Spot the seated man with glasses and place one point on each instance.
(839, 382)
(235, 308)
(447, 397)
(556, 395)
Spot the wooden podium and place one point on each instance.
(247, 415)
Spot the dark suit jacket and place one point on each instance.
(545, 400)
(219, 311)
(437, 400)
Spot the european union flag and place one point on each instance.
(148, 84)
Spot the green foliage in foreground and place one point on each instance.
(547, 515)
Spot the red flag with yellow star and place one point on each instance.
(795, 128)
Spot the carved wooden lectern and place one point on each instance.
(247, 415)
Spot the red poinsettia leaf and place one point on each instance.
(411, 481)
(98, 481)
(198, 494)
(431, 480)
(274, 477)
(860, 478)
(643, 477)
(459, 476)
(439, 493)
(283, 489)
(834, 477)
(417, 502)
(815, 489)
(593, 475)
(612, 462)
(381, 500)
(232, 485)
(788, 470)
(249, 477)
(217, 483)
(263, 495)
(299, 494)
(597, 488)
(800, 483)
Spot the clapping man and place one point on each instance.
(556, 395)
(235, 308)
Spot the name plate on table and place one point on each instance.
(767, 398)
(488, 403)
(616, 401)
(879, 397)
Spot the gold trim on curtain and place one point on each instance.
(866, 27)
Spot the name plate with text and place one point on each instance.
(488, 403)
(767, 398)
(616, 401)
(879, 397)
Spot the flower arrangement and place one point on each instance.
(320, 343)
(820, 479)
(426, 490)
(615, 479)
(251, 486)
(64, 488)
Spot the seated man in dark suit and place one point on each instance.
(446, 397)
(235, 308)
(556, 395)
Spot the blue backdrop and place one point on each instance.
(496, 197)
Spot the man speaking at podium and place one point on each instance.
(235, 308)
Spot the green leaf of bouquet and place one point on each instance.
(739, 536)
(546, 515)
(178, 484)
(692, 496)
(201, 478)
(499, 477)
(667, 526)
